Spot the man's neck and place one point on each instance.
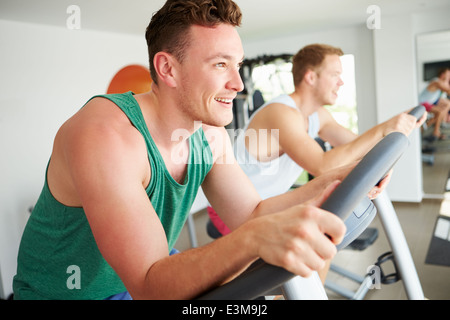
(305, 102)
(166, 124)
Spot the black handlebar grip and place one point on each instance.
(257, 280)
(418, 112)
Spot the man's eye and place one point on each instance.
(220, 65)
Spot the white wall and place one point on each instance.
(396, 90)
(47, 74)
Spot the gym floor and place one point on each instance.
(417, 220)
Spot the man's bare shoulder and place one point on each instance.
(100, 132)
(99, 121)
(277, 108)
(98, 138)
(276, 116)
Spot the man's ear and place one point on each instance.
(310, 77)
(164, 67)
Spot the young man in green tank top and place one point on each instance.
(119, 186)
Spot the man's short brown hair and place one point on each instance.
(168, 28)
(311, 58)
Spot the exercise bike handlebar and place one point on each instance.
(261, 277)
(372, 168)
(418, 112)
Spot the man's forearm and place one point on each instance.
(188, 274)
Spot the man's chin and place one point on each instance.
(219, 122)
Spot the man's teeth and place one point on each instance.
(223, 100)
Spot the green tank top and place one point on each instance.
(58, 257)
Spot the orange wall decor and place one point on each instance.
(134, 78)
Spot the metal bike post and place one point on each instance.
(299, 288)
(397, 240)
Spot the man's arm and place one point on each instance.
(231, 192)
(442, 85)
(280, 230)
(347, 147)
(293, 139)
(339, 136)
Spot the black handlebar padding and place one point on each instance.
(418, 112)
(257, 280)
(376, 164)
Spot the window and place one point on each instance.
(344, 110)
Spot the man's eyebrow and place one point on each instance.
(223, 56)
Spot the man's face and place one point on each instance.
(210, 77)
(329, 80)
(447, 76)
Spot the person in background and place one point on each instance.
(433, 99)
